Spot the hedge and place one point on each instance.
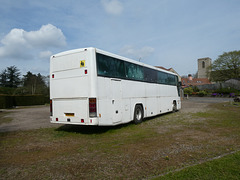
(20, 100)
(6, 101)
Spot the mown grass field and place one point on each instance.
(157, 146)
(4, 118)
(227, 167)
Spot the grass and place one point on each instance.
(157, 146)
(4, 118)
(227, 167)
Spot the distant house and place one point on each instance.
(171, 70)
(234, 83)
(190, 81)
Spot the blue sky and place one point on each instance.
(168, 33)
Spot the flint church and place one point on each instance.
(202, 74)
(203, 65)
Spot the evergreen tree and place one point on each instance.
(34, 84)
(10, 77)
(3, 78)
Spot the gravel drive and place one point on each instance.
(28, 118)
(36, 117)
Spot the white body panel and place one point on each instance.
(71, 87)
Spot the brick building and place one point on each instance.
(190, 81)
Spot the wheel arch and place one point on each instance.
(136, 107)
(174, 106)
(174, 102)
(139, 104)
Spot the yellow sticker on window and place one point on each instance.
(82, 63)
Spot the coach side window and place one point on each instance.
(171, 79)
(150, 75)
(102, 65)
(134, 71)
(119, 70)
(162, 78)
(110, 67)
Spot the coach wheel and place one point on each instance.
(174, 106)
(138, 114)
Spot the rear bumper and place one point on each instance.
(74, 120)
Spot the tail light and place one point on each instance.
(50, 107)
(92, 107)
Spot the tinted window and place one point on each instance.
(176, 80)
(162, 78)
(134, 71)
(109, 66)
(171, 79)
(150, 75)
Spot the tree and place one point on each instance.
(34, 84)
(3, 78)
(10, 77)
(42, 87)
(227, 66)
(13, 76)
(188, 90)
(30, 82)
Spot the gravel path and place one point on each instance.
(27, 118)
(38, 116)
(199, 104)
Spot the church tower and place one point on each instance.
(203, 65)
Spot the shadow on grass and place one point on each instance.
(92, 129)
(82, 129)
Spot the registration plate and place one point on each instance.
(69, 114)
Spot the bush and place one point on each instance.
(195, 89)
(226, 91)
(6, 102)
(7, 90)
(188, 90)
(28, 100)
(202, 93)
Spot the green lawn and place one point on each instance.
(4, 117)
(227, 167)
(157, 146)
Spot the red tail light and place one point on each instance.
(50, 107)
(92, 107)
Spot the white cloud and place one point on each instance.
(135, 53)
(47, 35)
(45, 54)
(19, 43)
(13, 45)
(112, 6)
(14, 37)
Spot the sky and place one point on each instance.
(168, 33)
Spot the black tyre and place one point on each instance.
(138, 114)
